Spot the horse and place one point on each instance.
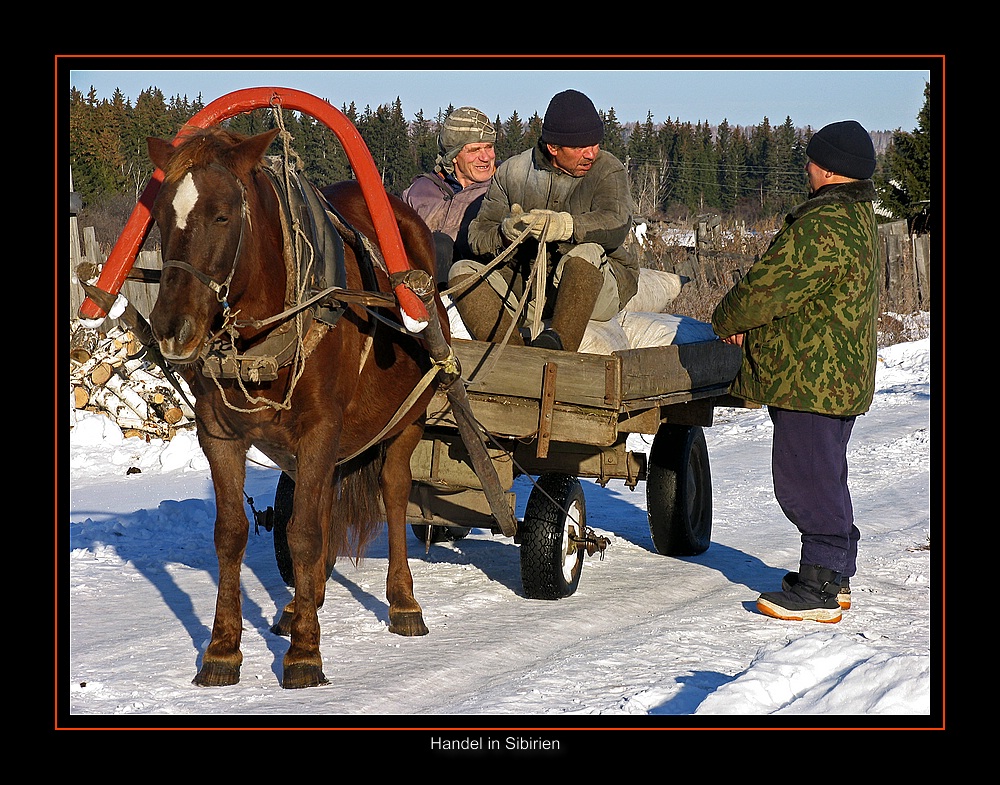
(342, 419)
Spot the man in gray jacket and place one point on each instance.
(572, 196)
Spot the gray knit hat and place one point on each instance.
(466, 125)
(845, 148)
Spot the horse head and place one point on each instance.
(209, 240)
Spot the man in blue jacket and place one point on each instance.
(449, 197)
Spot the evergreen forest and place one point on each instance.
(677, 169)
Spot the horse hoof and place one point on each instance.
(283, 626)
(410, 624)
(217, 674)
(303, 675)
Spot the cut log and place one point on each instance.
(80, 397)
(128, 395)
(101, 373)
(173, 415)
(79, 355)
(111, 404)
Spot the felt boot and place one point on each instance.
(812, 597)
(843, 596)
(483, 313)
(576, 296)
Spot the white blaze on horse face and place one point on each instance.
(184, 200)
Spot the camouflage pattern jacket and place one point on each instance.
(808, 308)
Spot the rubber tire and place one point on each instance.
(548, 572)
(679, 491)
(439, 533)
(283, 496)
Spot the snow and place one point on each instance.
(645, 639)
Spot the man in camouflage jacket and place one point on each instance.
(805, 315)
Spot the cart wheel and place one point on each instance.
(679, 491)
(550, 564)
(439, 533)
(283, 496)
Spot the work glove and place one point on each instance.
(560, 225)
(515, 223)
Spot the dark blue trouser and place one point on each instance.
(809, 469)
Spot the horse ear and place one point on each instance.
(159, 151)
(254, 148)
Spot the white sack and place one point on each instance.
(604, 337)
(657, 289)
(458, 328)
(663, 329)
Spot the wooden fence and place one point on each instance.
(906, 282)
(84, 250)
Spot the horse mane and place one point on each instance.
(202, 146)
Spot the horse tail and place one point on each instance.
(358, 511)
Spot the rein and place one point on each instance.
(535, 283)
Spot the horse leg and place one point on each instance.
(405, 615)
(308, 533)
(221, 664)
(283, 626)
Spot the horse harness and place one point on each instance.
(314, 251)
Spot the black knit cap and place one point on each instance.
(572, 121)
(844, 148)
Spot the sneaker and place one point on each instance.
(843, 596)
(807, 600)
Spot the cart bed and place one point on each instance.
(557, 412)
(521, 392)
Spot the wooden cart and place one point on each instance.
(560, 416)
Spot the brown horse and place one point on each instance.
(225, 276)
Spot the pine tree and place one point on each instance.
(646, 167)
(760, 162)
(84, 158)
(904, 184)
(730, 164)
(500, 142)
(789, 183)
(614, 141)
(423, 142)
(533, 132)
(706, 167)
(512, 141)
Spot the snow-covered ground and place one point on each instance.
(646, 641)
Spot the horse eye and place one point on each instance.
(222, 219)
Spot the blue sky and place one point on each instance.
(881, 93)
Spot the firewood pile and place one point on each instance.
(110, 375)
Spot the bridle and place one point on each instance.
(293, 347)
(221, 289)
